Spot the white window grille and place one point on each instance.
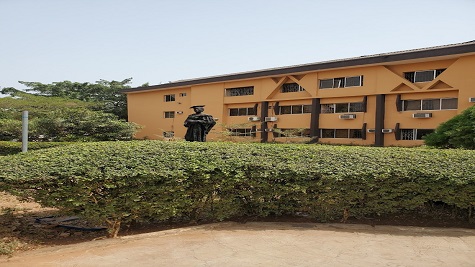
(291, 87)
(414, 134)
(240, 91)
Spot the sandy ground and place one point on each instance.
(267, 244)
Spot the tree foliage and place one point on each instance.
(59, 119)
(37, 105)
(106, 95)
(458, 132)
(81, 125)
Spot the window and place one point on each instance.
(356, 133)
(298, 109)
(430, 104)
(342, 107)
(342, 133)
(295, 109)
(354, 81)
(169, 98)
(169, 114)
(242, 111)
(449, 103)
(240, 91)
(341, 82)
(169, 134)
(328, 83)
(182, 94)
(307, 108)
(293, 132)
(327, 133)
(240, 132)
(327, 108)
(291, 87)
(414, 134)
(285, 110)
(356, 107)
(422, 76)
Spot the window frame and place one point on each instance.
(299, 88)
(291, 108)
(421, 104)
(304, 133)
(414, 133)
(239, 91)
(339, 82)
(169, 98)
(334, 109)
(241, 132)
(166, 114)
(412, 75)
(241, 112)
(340, 132)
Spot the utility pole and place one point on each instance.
(24, 131)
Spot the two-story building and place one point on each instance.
(390, 99)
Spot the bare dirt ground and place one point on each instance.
(20, 230)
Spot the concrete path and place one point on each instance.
(267, 244)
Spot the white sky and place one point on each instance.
(158, 41)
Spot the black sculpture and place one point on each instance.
(198, 124)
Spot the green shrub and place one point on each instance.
(156, 181)
(10, 129)
(458, 132)
(10, 148)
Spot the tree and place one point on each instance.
(82, 125)
(37, 106)
(458, 132)
(59, 119)
(105, 95)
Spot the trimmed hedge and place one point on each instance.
(156, 181)
(10, 148)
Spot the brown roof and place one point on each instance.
(444, 50)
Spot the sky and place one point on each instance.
(158, 41)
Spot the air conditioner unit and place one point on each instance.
(371, 130)
(348, 116)
(387, 130)
(254, 119)
(471, 100)
(267, 119)
(268, 130)
(422, 115)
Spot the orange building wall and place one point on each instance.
(458, 80)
